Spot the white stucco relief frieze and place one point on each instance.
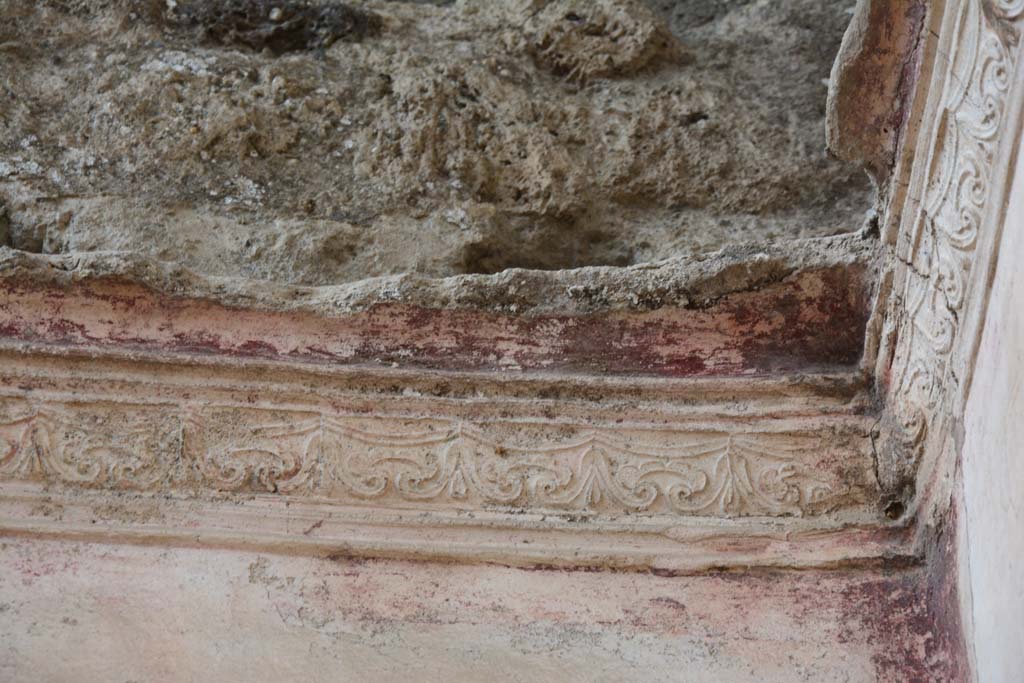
(434, 463)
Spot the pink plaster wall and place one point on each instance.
(812, 320)
(91, 612)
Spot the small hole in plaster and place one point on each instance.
(894, 510)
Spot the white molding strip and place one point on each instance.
(278, 524)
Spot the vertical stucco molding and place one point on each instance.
(946, 213)
(945, 218)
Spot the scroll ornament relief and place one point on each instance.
(939, 246)
(435, 464)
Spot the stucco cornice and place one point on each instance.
(693, 474)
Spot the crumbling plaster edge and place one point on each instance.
(687, 282)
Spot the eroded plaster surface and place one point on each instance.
(741, 312)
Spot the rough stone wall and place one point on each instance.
(434, 137)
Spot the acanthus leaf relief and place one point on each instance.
(115, 449)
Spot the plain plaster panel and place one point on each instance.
(993, 463)
(92, 612)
